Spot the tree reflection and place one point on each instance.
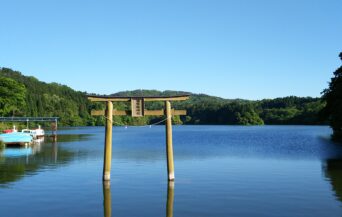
(17, 165)
(333, 171)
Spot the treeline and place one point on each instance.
(287, 110)
(333, 110)
(26, 96)
(204, 109)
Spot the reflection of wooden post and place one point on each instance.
(55, 151)
(169, 148)
(54, 131)
(108, 142)
(170, 198)
(107, 200)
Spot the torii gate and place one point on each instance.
(137, 110)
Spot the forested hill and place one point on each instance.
(27, 96)
(41, 99)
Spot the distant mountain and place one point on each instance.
(73, 108)
(205, 109)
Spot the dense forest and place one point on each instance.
(27, 96)
(333, 97)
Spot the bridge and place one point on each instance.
(28, 119)
(53, 121)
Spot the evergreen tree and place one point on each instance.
(333, 97)
(73, 108)
(12, 97)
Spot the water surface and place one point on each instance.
(220, 171)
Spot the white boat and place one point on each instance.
(32, 133)
(37, 133)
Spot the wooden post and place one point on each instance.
(56, 124)
(54, 131)
(107, 200)
(169, 148)
(170, 198)
(108, 142)
(138, 110)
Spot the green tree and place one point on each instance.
(73, 108)
(12, 96)
(333, 108)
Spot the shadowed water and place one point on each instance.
(220, 171)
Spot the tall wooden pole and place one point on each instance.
(170, 198)
(107, 200)
(169, 148)
(108, 142)
(56, 128)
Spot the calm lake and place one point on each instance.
(219, 171)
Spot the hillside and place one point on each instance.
(27, 96)
(43, 99)
(205, 109)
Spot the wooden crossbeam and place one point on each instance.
(137, 110)
(146, 112)
(146, 99)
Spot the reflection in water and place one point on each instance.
(15, 163)
(255, 167)
(170, 198)
(16, 152)
(55, 151)
(39, 141)
(72, 137)
(333, 171)
(107, 199)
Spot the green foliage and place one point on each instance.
(249, 118)
(176, 120)
(333, 108)
(35, 98)
(2, 145)
(291, 110)
(12, 96)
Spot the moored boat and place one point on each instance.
(14, 130)
(16, 138)
(37, 133)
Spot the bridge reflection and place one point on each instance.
(333, 171)
(17, 162)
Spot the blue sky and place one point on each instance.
(228, 48)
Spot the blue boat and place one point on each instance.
(16, 138)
